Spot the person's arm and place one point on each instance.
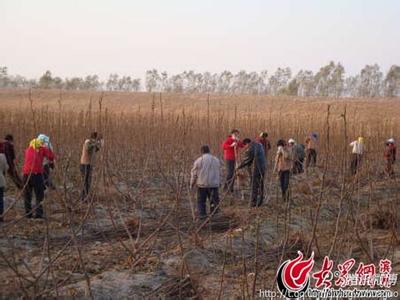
(12, 153)
(193, 174)
(90, 146)
(4, 164)
(229, 143)
(248, 158)
(268, 145)
(49, 154)
(277, 157)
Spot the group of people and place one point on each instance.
(291, 158)
(39, 160)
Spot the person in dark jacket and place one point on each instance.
(298, 155)
(231, 146)
(9, 152)
(3, 169)
(264, 141)
(255, 158)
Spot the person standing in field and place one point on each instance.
(254, 157)
(205, 174)
(283, 165)
(9, 152)
(356, 155)
(311, 150)
(3, 169)
(298, 155)
(47, 165)
(231, 146)
(90, 147)
(264, 141)
(390, 156)
(33, 176)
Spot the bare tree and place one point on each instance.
(392, 82)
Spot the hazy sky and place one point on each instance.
(129, 36)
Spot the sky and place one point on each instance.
(128, 37)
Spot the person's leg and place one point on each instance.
(28, 195)
(353, 164)
(88, 179)
(38, 186)
(296, 167)
(230, 176)
(261, 189)
(301, 164)
(83, 175)
(1, 203)
(46, 175)
(315, 155)
(287, 178)
(282, 183)
(392, 168)
(387, 167)
(308, 158)
(255, 185)
(214, 200)
(201, 202)
(86, 176)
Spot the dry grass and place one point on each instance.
(139, 217)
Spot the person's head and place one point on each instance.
(94, 135)
(314, 135)
(391, 141)
(246, 141)
(281, 143)
(205, 149)
(235, 133)
(263, 135)
(9, 138)
(291, 142)
(36, 143)
(360, 140)
(43, 138)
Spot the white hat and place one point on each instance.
(291, 141)
(391, 140)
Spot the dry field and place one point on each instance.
(136, 237)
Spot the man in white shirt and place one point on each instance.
(205, 174)
(356, 154)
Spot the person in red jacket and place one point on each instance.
(33, 176)
(230, 147)
(390, 156)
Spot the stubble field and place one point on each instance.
(136, 237)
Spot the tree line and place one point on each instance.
(329, 81)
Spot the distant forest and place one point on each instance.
(330, 81)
